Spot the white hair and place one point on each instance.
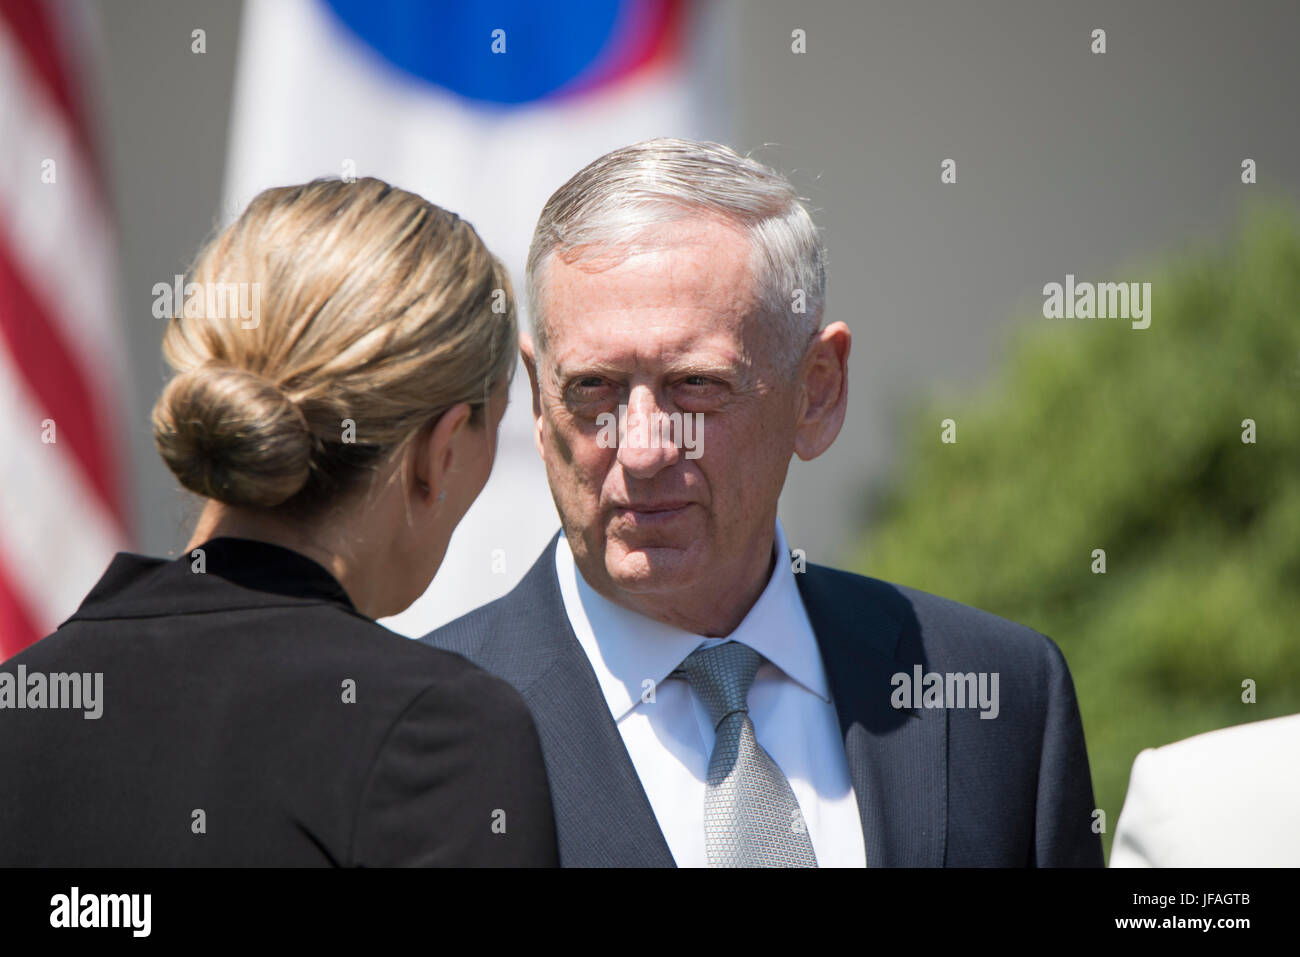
(605, 207)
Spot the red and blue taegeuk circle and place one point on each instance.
(551, 50)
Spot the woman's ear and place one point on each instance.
(433, 456)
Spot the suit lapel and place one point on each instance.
(897, 758)
(603, 817)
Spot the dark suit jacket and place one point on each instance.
(934, 786)
(224, 692)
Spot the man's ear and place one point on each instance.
(433, 455)
(529, 355)
(824, 383)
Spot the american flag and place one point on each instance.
(62, 494)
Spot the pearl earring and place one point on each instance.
(441, 496)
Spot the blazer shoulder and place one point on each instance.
(467, 634)
(1241, 750)
(295, 646)
(422, 668)
(510, 635)
(941, 624)
(1243, 794)
(465, 754)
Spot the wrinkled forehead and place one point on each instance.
(676, 286)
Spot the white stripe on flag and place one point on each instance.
(58, 231)
(56, 539)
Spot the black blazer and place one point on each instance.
(934, 786)
(251, 716)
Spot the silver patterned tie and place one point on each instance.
(751, 816)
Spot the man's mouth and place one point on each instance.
(649, 514)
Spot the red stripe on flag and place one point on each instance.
(17, 625)
(56, 382)
(31, 25)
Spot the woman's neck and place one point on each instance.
(223, 521)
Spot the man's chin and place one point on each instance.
(646, 569)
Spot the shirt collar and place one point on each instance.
(627, 649)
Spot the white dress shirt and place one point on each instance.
(670, 737)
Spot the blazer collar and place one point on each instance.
(229, 573)
(602, 815)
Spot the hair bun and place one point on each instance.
(231, 435)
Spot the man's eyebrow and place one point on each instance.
(685, 366)
(705, 367)
(560, 371)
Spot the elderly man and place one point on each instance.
(702, 699)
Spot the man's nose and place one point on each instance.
(649, 444)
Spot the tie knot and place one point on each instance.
(721, 676)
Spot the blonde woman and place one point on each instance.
(250, 710)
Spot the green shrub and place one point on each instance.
(1097, 435)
